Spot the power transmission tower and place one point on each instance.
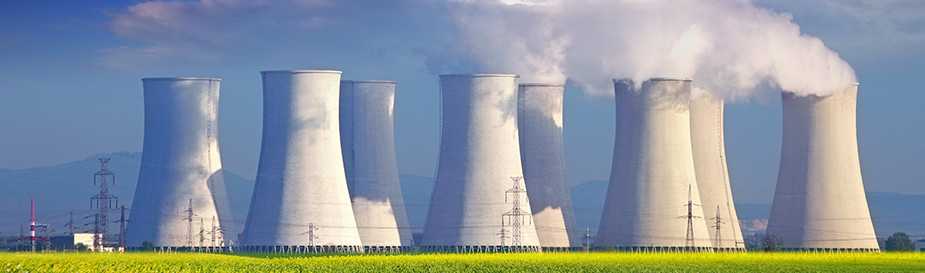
(312, 236)
(202, 232)
(189, 223)
(587, 240)
(103, 202)
(502, 234)
(689, 237)
(515, 217)
(32, 224)
(70, 222)
(35, 227)
(213, 231)
(717, 225)
(122, 222)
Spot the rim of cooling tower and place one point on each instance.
(181, 79)
(300, 71)
(478, 75)
(370, 81)
(540, 84)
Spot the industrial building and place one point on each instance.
(539, 115)
(479, 202)
(367, 121)
(181, 163)
(819, 202)
(653, 201)
(300, 200)
(709, 149)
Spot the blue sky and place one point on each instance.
(70, 80)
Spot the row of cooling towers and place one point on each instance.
(328, 176)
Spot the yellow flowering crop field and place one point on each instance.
(526, 262)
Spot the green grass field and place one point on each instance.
(572, 262)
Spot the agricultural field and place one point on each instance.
(570, 262)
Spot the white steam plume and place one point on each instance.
(729, 47)
(511, 36)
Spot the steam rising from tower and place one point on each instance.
(820, 202)
(539, 113)
(653, 198)
(368, 141)
(180, 165)
(479, 155)
(300, 196)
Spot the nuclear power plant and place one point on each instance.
(539, 115)
(819, 203)
(181, 164)
(300, 199)
(479, 202)
(653, 201)
(328, 179)
(367, 110)
(712, 174)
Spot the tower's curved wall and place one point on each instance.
(300, 178)
(653, 170)
(543, 156)
(180, 162)
(479, 153)
(368, 144)
(819, 201)
(712, 174)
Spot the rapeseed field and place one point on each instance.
(547, 262)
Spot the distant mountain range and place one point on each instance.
(65, 188)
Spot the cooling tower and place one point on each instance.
(539, 114)
(819, 202)
(300, 197)
(368, 145)
(474, 198)
(712, 175)
(180, 165)
(652, 179)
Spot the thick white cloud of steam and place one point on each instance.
(728, 47)
(511, 37)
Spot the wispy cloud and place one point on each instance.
(206, 30)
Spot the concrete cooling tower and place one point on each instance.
(180, 165)
(476, 204)
(712, 175)
(300, 198)
(653, 201)
(820, 203)
(539, 114)
(368, 145)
